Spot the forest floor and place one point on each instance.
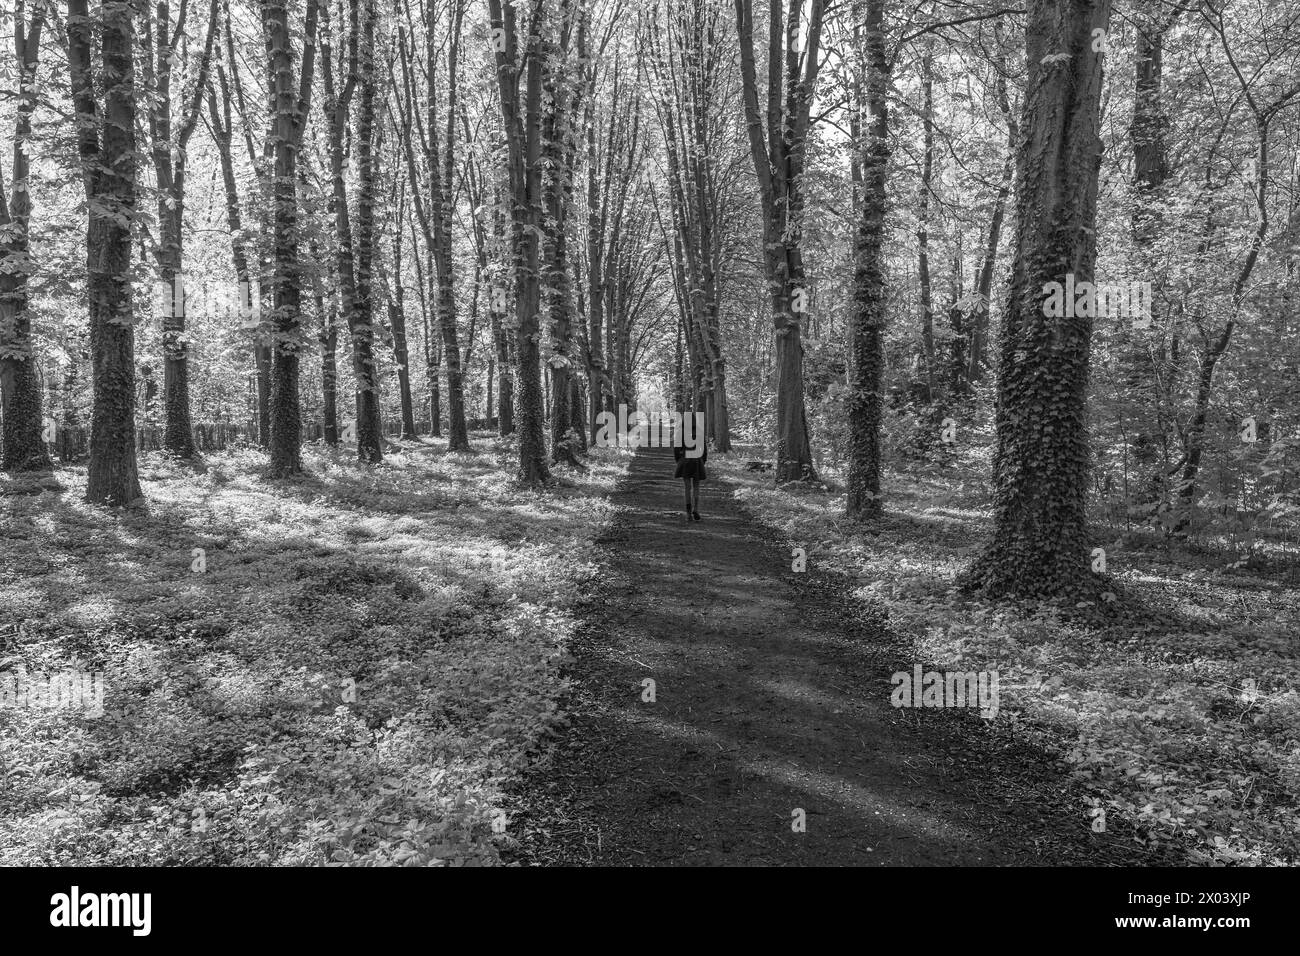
(1175, 706)
(770, 738)
(423, 663)
(343, 668)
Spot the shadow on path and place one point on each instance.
(771, 696)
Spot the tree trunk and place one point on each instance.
(370, 447)
(558, 147)
(866, 345)
(497, 317)
(505, 381)
(779, 164)
(524, 146)
(442, 208)
(107, 149)
(923, 216)
(1150, 167)
(596, 376)
(397, 320)
(354, 262)
(329, 341)
(978, 326)
(22, 439)
(1040, 542)
(220, 122)
(289, 106)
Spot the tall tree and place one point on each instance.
(560, 93)
(224, 91)
(22, 445)
(226, 104)
(395, 296)
(499, 280)
(442, 201)
(692, 73)
(792, 69)
(169, 137)
(923, 220)
(971, 362)
(1147, 133)
(435, 138)
(290, 102)
(354, 255)
(867, 324)
(1263, 111)
(1040, 541)
(104, 95)
(521, 113)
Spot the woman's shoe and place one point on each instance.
(695, 515)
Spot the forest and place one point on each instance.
(990, 315)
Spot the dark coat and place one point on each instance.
(691, 467)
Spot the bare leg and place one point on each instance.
(695, 495)
(686, 487)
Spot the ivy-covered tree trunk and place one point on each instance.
(22, 440)
(867, 323)
(1040, 543)
(107, 148)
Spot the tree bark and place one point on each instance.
(524, 150)
(169, 161)
(397, 320)
(1040, 542)
(867, 322)
(22, 440)
(290, 102)
(779, 164)
(923, 216)
(107, 149)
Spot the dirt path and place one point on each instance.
(771, 696)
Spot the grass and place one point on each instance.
(1176, 709)
(343, 669)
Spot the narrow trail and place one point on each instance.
(771, 695)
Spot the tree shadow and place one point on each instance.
(771, 709)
